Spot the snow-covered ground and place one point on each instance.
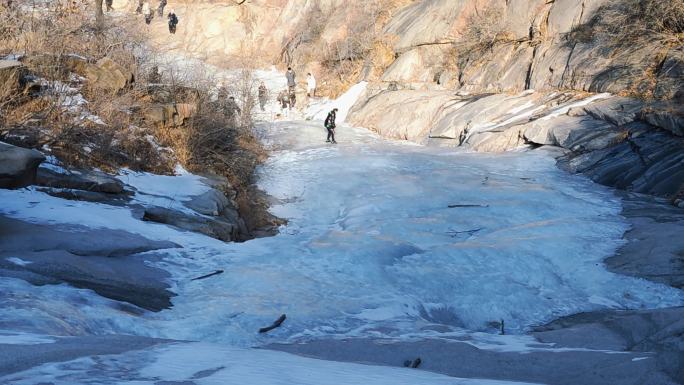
(384, 239)
(211, 364)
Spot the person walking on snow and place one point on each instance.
(147, 11)
(263, 96)
(160, 9)
(291, 85)
(330, 125)
(310, 85)
(173, 22)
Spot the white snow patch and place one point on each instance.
(344, 103)
(565, 108)
(18, 261)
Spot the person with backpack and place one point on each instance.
(173, 22)
(330, 125)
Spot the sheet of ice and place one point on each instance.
(344, 103)
(209, 364)
(371, 248)
(11, 337)
(165, 190)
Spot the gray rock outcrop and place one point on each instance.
(108, 262)
(86, 180)
(18, 166)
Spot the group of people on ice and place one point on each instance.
(287, 99)
(146, 10)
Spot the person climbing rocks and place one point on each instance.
(139, 10)
(310, 85)
(108, 4)
(263, 96)
(330, 125)
(160, 9)
(291, 85)
(147, 12)
(173, 21)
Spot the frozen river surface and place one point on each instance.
(384, 239)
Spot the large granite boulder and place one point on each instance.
(18, 166)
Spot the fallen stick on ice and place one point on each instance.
(456, 206)
(274, 325)
(217, 272)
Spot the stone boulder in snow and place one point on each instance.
(18, 166)
(218, 227)
(95, 181)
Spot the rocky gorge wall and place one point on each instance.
(489, 75)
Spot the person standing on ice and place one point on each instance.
(160, 9)
(291, 85)
(173, 22)
(263, 96)
(310, 85)
(147, 12)
(330, 125)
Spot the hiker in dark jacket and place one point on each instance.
(109, 4)
(160, 9)
(330, 125)
(263, 96)
(291, 82)
(173, 22)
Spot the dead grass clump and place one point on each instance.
(484, 29)
(622, 22)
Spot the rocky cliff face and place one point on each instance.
(489, 75)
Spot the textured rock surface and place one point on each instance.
(18, 166)
(653, 334)
(106, 74)
(94, 181)
(219, 228)
(651, 251)
(105, 261)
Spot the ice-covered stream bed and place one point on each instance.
(372, 249)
